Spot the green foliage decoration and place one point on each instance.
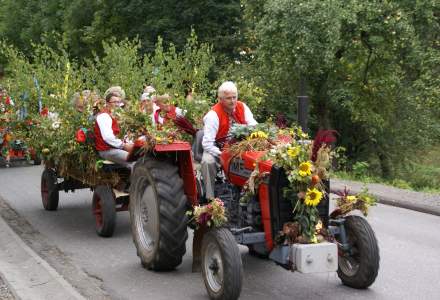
(54, 78)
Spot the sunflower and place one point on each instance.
(305, 169)
(351, 198)
(258, 134)
(313, 197)
(293, 151)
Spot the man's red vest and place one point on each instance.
(223, 117)
(100, 144)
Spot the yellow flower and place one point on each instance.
(351, 198)
(293, 151)
(258, 135)
(305, 169)
(302, 134)
(313, 197)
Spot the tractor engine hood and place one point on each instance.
(239, 168)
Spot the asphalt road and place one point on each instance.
(409, 246)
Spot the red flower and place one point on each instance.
(323, 138)
(44, 112)
(80, 136)
(8, 101)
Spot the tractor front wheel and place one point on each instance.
(359, 265)
(222, 268)
(104, 210)
(49, 189)
(158, 214)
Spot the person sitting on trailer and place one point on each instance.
(167, 111)
(149, 107)
(106, 131)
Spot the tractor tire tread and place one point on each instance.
(369, 252)
(172, 209)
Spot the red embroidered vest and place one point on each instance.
(223, 117)
(100, 144)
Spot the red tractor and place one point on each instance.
(164, 185)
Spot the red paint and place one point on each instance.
(250, 159)
(175, 146)
(187, 173)
(263, 193)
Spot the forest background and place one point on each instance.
(371, 68)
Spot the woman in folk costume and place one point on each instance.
(106, 130)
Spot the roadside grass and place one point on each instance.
(421, 174)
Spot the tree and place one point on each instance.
(85, 24)
(24, 22)
(367, 68)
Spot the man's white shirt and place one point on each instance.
(105, 127)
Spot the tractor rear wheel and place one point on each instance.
(49, 189)
(104, 210)
(358, 267)
(158, 214)
(222, 268)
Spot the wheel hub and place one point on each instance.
(214, 267)
(148, 220)
(144, 215)
(349, 261)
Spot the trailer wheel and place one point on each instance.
(49, 189)
(104, 210)
(359, 266)
(158, 214)
(222, 268)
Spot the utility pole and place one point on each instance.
(303, 106)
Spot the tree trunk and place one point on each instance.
(320, 103)
(385, 165)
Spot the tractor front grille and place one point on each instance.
(281, 208)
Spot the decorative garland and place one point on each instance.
(212, 214)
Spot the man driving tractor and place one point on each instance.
(217, 123)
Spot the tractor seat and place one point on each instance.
(197, 147)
